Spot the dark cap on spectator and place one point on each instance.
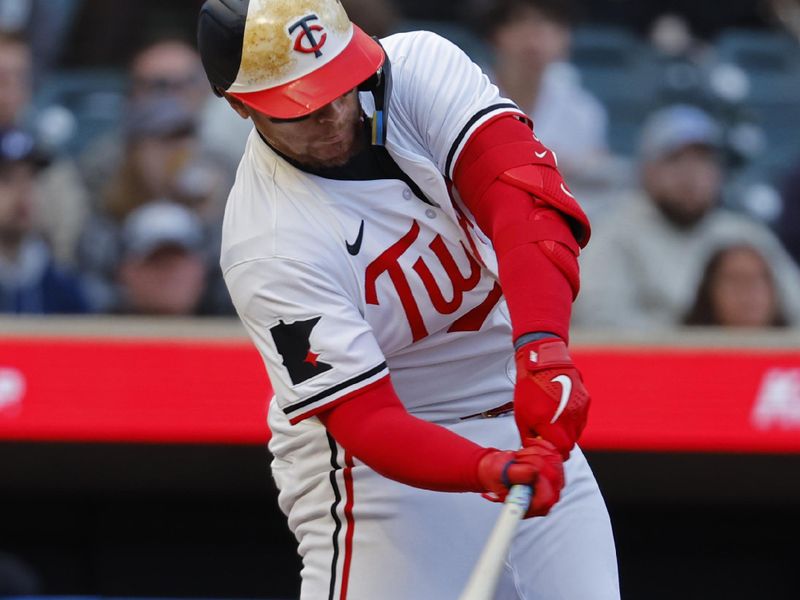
(158, 224)
(675, 127)
(487, 16)
(17, 145)
(160, 116)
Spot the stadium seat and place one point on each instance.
(622, 72)
(771, 61)
(614, 64)
(758, 51)
(95, 99)
(781, 124)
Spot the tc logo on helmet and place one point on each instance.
(309, 33)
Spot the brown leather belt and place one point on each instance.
(492, 412)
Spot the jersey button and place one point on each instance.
(430, 213)
(407, 194)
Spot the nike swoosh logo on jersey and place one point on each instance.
(540, 155)
(566, 390)
(355, 248)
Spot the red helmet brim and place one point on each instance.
(359, 61)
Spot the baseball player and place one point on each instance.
(385, 195)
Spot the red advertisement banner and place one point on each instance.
(132, 391)
(185, 391)
(695, 399)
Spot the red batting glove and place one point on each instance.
(550, 400)
(539, 466)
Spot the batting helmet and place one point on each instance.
(284, 58)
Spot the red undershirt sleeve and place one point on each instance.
(376, 428)
(538, 294)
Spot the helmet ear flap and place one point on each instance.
(220, 30)
(380, 86)
(371, 84)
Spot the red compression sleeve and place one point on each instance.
(539, 297)
(538, 294)
(376, 428)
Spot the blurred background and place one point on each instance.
(133, 458)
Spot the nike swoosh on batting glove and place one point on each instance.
(550, 400)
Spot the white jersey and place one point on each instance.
(341, 282)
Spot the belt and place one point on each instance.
(492, 412)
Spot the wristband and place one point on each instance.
(533, 337)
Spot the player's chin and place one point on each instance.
(334, 154)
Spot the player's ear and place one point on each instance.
(237, 105)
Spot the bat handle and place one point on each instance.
(518, 499)
(485, 575)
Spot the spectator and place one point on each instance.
(171, 67)
(167, 69)
(62, 219)
(16, 73)
(30, 280)
(46, 23)
(163, 270)
(161, 159)
(788, 13)
(646, 261)
(531, 41)
(737, 290)
(376, 17)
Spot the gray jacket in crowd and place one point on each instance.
(642, 272)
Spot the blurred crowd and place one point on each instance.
(683, 151)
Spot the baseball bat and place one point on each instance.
(486, 574)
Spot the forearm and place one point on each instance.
(376, 429)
